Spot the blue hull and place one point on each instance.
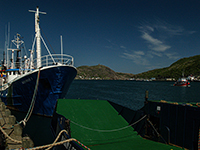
(54, 83)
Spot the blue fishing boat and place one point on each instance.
(34, 85)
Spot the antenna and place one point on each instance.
(17, 41)
(8, 44)
(37, 35)
(6, 63)
(61, 43)
(37, 11)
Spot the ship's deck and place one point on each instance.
(96, 124)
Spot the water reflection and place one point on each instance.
(131, 93)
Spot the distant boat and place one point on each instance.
(34, 85)
(182, 82)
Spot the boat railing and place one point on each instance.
(55, 59)
(46, 60)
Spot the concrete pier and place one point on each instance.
(11, 131)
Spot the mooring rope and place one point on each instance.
(28, 115)
(55, 143)
(49, 146)
(16, 141)
(113, 130)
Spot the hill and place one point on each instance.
(100, 72)
(188, 66)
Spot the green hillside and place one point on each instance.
(188, 66)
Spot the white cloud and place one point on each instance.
(155, 44)
(146, 28)
(111, 44)
(156, 53)
(191, 32)
(123, 47)
(136, 57)
(150, 28)
(150, 39)
(139, 52)
(172, 55)
(169, 29)
(159, 32)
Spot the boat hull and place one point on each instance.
(182, 84)
(54, 82)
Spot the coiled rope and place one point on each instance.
(28, 115)
(113, 130)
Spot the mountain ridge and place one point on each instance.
(101, 72)
(188, 66)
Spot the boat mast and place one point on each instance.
(17, 43)
(31, 59)
(61, 44)
(7, 44)
(37, 35)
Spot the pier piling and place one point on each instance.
(11, 132)
(146, 97)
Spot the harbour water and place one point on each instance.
(131, 93)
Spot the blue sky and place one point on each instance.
(130, 36)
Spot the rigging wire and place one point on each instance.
(47, 40)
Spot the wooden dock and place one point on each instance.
(10, 131)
